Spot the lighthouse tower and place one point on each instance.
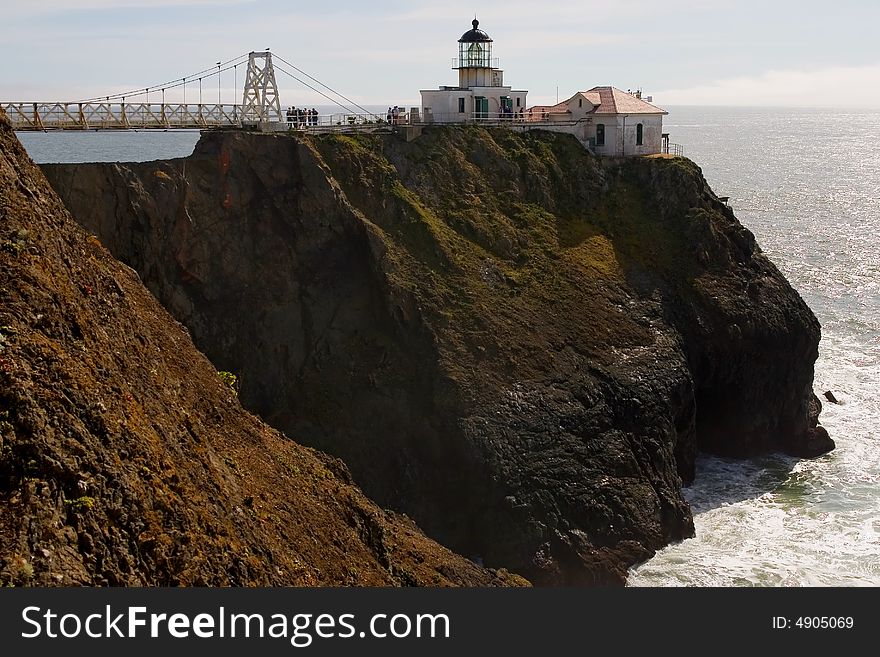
(480, 94)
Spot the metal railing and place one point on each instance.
(325, 122)
(676, 150)
(499, 118)
(137, 116)
(119, 116)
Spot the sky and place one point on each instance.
(681, 52)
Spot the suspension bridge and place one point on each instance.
(134, 110)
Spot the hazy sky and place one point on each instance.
(719, 52)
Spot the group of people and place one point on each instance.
(508, 113)
(394, 115)
(301, 117)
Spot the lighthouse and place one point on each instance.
(480, 94)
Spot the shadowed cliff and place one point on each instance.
(516, 343)
(125, 459)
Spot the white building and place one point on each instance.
(608, 120)
(480, 93)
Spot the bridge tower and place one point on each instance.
(260, 101)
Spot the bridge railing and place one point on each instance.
(106, 116)
(171, 115)
(128, 116)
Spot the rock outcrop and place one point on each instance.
(519, 345)
(125, 458)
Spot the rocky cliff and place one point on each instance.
(516, 343)
(125, 458)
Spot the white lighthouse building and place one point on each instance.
(480, 94)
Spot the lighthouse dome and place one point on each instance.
(475, 35)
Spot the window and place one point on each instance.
(475, 55)
(639, 134)
(600, 134)
(580, 102)
(517, 101)
(461, 105)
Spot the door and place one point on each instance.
(481, 107)
(506, 107)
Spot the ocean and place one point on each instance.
(806, 182)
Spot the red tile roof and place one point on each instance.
(611, 100)
(608, 100)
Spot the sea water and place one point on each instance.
(807, 183)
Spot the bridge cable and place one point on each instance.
(176, 82)
(318, 91)
(171, 84)
(364, 110)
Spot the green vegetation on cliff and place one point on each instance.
(495, 229)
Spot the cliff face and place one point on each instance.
(517, 344)
(124, 459)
